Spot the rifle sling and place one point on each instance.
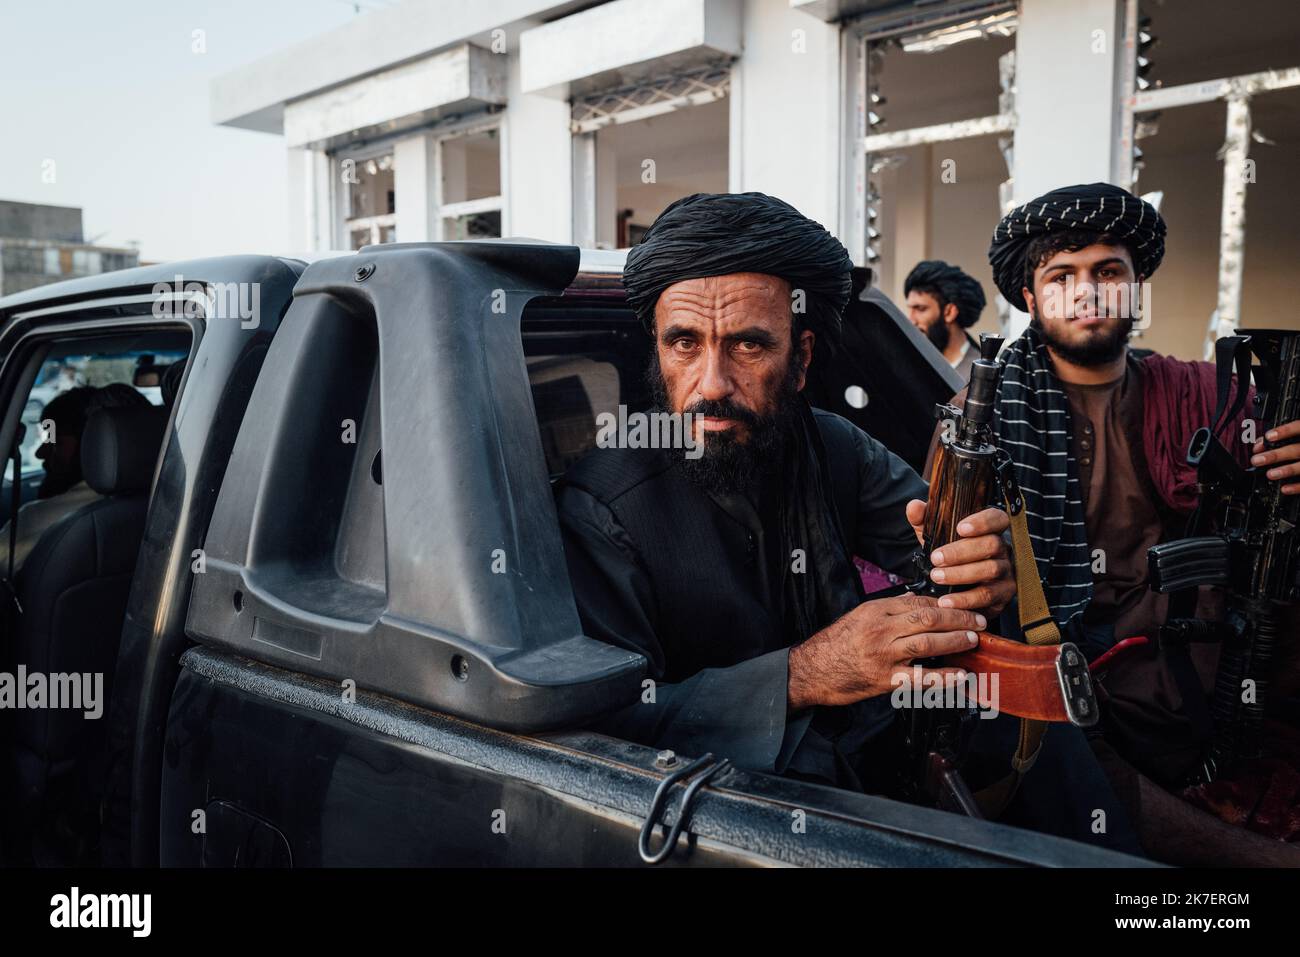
(1228, 351)
(1039, 629)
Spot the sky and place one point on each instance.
(116, 96)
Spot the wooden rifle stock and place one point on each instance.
(1038, 682)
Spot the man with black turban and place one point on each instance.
(1098, 434)
(732, 572)
(943, 302)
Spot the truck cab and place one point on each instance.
(323, 586)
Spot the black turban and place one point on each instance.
(1097, 208)
(714, 234)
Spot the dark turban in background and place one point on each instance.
(713, 234)
(1098, 207)
(950, 285)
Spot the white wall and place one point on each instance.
(538, 150)
(310, 199)
(785, 117)
(415, 199)
(1065, 93)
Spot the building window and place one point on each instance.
(370, 199)
(470, 185)
(52, 265)
(86, 262)
(639, 148)
(473, 226)
(934, 101)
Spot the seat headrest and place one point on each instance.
(119, 448)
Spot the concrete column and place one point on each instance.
(296, 193)
(1067, 99)
(606, 196)
(736, 131)
(312, 196)
(911, 222)
(584, 190)
(789, 115)
(538, 169)
(415, 182)
(1067, 96)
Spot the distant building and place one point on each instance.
(41, 244)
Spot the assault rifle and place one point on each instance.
(1040, 680)
(1243, 536)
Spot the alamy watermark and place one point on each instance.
(36, 690)
(211, 300)
(649, 430)
(919, 688)
(75, 909)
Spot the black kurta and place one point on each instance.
(692, 580)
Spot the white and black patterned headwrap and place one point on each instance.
(1097, 207)
(1032, 421)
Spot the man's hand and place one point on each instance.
(1281, 456)
(860, 654)
(980, 559)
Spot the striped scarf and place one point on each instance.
(1032, 421)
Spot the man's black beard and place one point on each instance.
(727, 464)
(1098, 351)
(939, 332)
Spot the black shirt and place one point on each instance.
(692, 580)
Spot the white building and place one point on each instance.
(905, 126)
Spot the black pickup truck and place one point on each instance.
(325, 587)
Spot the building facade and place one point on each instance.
(906, 127)
(41, 244)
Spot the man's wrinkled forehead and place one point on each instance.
(728, 298)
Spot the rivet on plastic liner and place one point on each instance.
(460, 667)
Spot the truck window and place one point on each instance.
(71, 370)
(584, 358)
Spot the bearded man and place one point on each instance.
(732, 572)
(943, 302)
(1099, 438)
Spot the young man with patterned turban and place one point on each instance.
(1099, 437)
(732, 572)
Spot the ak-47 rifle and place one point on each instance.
(1243, 535)
(1040, 680)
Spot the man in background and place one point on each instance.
(63, 490)
(943, 302)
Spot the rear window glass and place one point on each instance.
(583, 359)
(140, 370)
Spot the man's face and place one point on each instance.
(927, 315)
(1083, 303)
(723, 352)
